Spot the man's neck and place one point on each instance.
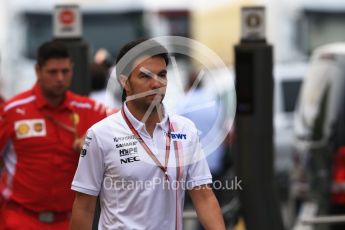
(54, 102)
(151, 119)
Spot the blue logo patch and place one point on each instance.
(178, 136)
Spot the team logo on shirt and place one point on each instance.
(38, 127)
(124, 153)
(129, 159)
(126, 144)
(30, 128)
(75, 118)
(128, 151)
(128, 154)
(20, 111)
(83, 152)
(126, 138)
(178, 136)
(23, 129)
(87, 142)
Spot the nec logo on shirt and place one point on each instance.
(129, 160)
(178, 136)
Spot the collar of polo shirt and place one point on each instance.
(140, 126)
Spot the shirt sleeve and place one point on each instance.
(198, 172)
(89, 175)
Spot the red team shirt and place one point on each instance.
(36, 146)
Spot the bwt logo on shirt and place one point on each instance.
(178, 136)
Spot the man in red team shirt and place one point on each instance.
(40, 137)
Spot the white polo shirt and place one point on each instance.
(134, 193)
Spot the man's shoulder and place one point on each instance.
(78, 97)
(21, 99)
(80, 101)
(113, 120)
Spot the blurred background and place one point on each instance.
(308, 72)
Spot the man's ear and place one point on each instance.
(123, 81)
(37, 70)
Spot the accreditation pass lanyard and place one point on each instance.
(148, 150)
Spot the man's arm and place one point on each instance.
(97, 113)
(207, 207)
(78, 143)
(83, 211)
(6, 130)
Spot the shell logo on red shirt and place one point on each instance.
(30, 128)
(23, 129)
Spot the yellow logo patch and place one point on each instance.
(75, 118)
(30, 128)
(23, 129)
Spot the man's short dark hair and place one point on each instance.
(51, 49)
(152, 48)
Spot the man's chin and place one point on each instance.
(58, 93)
(155, 99)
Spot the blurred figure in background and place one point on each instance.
(100, 71)
(41, 135)
(203, 109)
(103, 58)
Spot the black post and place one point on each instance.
(254, 136)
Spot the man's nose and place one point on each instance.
(60, 76)
(157, 82)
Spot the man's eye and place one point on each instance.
(145, 75)
(52, 72)
(65, 71)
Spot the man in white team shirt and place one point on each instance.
(141, 160)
